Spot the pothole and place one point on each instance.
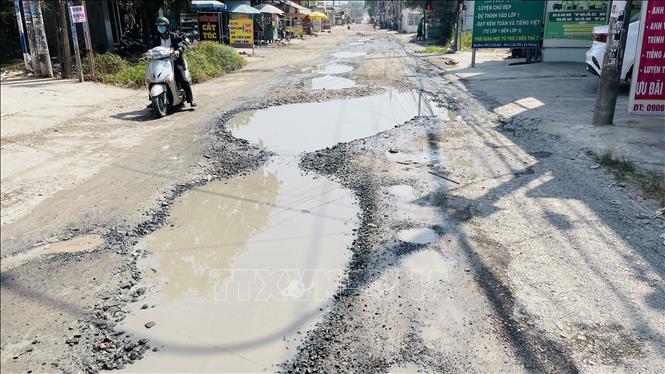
(306, 127)
(250, 263)
(348, 54)
(83, 243)
(331, 82)
(336, 69)
(418, 235)
(246, 265)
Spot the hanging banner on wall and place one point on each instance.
(209, 27)
(647, 94)
(570, 23)
(241, 30)
(507, 23)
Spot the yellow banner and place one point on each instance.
(241, 31)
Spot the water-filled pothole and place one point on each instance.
(348, 54)
(247, 264)
(311, 126)
(331, 82)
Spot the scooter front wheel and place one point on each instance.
(160, 105)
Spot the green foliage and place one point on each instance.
(210, 59)
(206, 60)
(11, 49)
(466, 40)
(436, 49)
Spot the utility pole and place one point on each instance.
(31, 36)
(66, 61)
(608, 85)
(43, 56)
(21, 34)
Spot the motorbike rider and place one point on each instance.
(170, 39)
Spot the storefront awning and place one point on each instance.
(268, 9)
(208, 6)
(242, 8)
(300, 8)
(317, 15)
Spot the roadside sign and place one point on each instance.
(209, 29)
(507, 23)
(570, 23)
(78, 13)
(647, 94)
(241, 31)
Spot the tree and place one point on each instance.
(356, 9)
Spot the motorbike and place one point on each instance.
(164, 89)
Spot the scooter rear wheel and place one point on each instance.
(160, 105)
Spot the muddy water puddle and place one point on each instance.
(331, 82)
(311, 126)
(247, 264)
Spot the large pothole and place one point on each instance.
(248, 265)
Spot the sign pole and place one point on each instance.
(75, 41)
(21, 34)
(473, 57)
(252, 17)
(608, 85)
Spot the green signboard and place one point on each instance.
(569, 23)
(508, 23)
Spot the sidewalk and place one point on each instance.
(559, 99)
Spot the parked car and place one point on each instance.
(596, 54)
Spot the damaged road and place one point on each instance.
(367, 214)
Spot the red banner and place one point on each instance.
(647, 93)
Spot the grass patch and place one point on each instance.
(206, 60)
(466, 40)
(436, 49)
(650, 183)
(464, 45)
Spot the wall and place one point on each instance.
(410, 19)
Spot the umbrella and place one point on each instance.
(267, 8)
(317, 15)
(242, 8)
(208, 6)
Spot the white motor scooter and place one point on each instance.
(165, 92)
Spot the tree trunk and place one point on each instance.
(610, 75)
